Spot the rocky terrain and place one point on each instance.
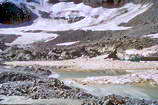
(79, 33)
(41, 51)
(33, 82)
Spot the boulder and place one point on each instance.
(44, 14)
(14, 14)
(104, 3)
(3, 46)
(53, 1)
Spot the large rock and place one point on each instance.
(53, 1)
(104, 3)
(14, 14)
(3, 46)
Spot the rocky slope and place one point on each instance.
(103, 22)
(45, 51)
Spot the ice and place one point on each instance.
(95, 19)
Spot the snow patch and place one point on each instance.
(144, 52)
(54, 75)
(28, 38)
(152, 35)
(67, 43)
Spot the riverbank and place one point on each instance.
(33, 85)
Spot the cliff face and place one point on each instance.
(103, 3)
(114, 3)
(13, 14)
(94, 3)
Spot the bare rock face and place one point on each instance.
(57, 1)
(104, 3)
(14, 14)
(53, 1)
(2, 46)
(94, 3)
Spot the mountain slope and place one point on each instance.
(64, 16)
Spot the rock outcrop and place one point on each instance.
(103, 3)
(14, 14)
(3, 46)
(94, 3)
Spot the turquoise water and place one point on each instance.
(143, 91)
(90, 74)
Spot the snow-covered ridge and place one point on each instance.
(94, 19)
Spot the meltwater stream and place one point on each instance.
(81, 74)
(142, 91)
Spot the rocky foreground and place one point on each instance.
(34, 83)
